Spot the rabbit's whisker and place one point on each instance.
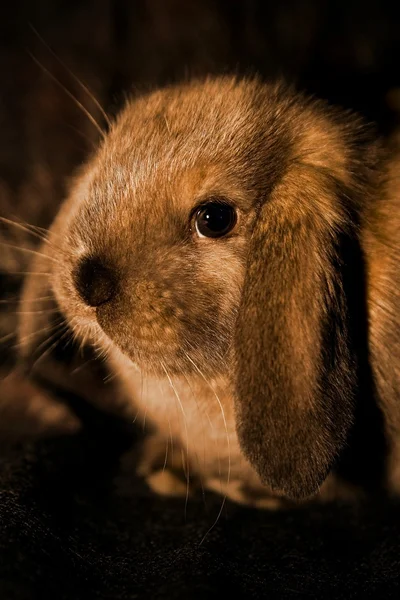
(69, 94)
(29, 251)
(187, 473)
(227, 439)
(72, 74)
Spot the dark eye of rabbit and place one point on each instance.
(215, 219)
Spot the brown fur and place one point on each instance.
(252, 352)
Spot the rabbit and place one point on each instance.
(231, 250)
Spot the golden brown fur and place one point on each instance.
(252, 352)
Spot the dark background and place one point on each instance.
(64, 531)
(346, 51)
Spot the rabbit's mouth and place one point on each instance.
(158, 355)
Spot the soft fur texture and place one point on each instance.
(259, 354)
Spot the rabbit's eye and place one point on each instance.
(215, 219)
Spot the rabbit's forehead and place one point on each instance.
(158, 164)
(138, 188)
(173, 133)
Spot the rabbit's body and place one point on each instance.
(251, 350)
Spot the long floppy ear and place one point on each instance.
(295, 372)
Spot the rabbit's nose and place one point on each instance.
(95, 282)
